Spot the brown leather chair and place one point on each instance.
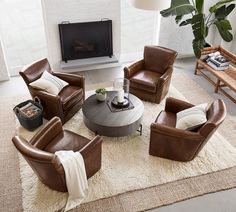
(166, 141)
(39, 153)
(67, 102)
(150, 77)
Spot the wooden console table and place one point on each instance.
(226, 78)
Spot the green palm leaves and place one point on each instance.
(192, 13)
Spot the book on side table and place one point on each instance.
(217, 61)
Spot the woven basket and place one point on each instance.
(33, 122)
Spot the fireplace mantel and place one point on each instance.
(90, 63)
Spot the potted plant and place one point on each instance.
(187, 12)
(101, 94)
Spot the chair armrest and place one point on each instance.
(167, 73)
(46, 98)
(134, 68)
(44, 136)
(72, 79)
(28, 150)
(175, 133)
(207, 129)
(175, 105)
(91, 145)
(58, 166)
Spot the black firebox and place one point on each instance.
(86, 40)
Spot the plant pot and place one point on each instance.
(207, 44)
(101, 97)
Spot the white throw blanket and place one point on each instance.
(76, 179)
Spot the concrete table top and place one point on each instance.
(99, 118)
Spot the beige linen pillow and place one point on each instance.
(192, 118)
(49, 83)
(45, 85)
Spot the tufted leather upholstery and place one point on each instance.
(39, 153)
(150, 77)
(169, 142)
(67, 102)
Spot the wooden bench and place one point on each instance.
(226, 78)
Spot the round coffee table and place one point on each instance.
(99, 118)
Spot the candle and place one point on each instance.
(120, 96)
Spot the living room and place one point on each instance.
(146, 178)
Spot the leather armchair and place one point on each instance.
(39, 153)
(67, 102)
(166, 141)
(150, 77)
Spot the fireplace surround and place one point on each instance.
(86, 40)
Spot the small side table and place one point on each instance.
(226, 78)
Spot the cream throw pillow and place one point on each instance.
(192, 118)
(49, 83)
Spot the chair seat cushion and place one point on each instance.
(166, 118)
(70, 95)
(67, 140)
(145, 80)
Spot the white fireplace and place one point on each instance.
(57, 11)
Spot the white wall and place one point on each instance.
(137, 30)
(56, 11)
(3, 66)
(175, 37)
(233, 44)
(22, 30)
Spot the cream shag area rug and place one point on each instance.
(126, 164)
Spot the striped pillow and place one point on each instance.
(192, 118)
(49, 83)
(60, 84)
(44, 85)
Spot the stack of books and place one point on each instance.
(217, 61)
(29, 110)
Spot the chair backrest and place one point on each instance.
(34, 71)
(215, 116)
(46, 165)
(157, 58)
